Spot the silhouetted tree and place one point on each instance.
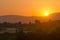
(37, 21)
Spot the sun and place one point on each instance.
(46, 14)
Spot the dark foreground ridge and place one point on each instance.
(32, 31)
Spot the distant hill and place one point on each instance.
(25, 19)
(55, 16)
(16, 18)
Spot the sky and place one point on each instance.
(28, 7)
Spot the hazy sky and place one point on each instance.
(28, 7)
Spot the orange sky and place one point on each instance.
(28, 7)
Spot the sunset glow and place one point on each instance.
(28, 7)
(46, 13)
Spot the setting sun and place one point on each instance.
(46, 14)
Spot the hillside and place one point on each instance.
(25, 19)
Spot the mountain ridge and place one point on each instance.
(25, 19)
